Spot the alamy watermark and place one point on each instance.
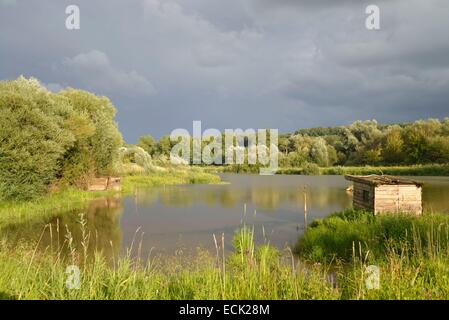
(73, 19)
(372, 280)
(234, 146)
(372, 22)
(73, 277)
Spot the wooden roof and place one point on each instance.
(377, 180)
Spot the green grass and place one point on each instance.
(412, 253)
(341, 235)
(415, 170)
(412, 170)
(246, 274)
(177, 177)
(13, 212)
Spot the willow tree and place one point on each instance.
(98, 139)
(46, 137)
(33, 137)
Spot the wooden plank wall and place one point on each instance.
(398, 198)
(103, 184)
(98, 184)
(358, 201)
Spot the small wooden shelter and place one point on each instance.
(104, 184)
(386, 194)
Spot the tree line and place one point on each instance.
(361, 143)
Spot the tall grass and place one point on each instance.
(335, 237)
(248, 273)
(411, 253)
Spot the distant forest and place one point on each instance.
(361, 143)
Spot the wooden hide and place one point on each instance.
(386, 194)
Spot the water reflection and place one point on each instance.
(97, 227)
(264, 194)
(168, 219)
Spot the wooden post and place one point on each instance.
(305, 208)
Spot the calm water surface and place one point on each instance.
(178, 219)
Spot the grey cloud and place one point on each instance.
(254, 63)
(94, 70)
(8, 2)
(53, 87)
(319, 4)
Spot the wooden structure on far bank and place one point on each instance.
(386, 194)
(105, 184)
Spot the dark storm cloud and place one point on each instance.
(314, 3)
(257, 63)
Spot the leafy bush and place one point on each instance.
(311, 169)
(47, 137)
(98, 138)
(33, 138)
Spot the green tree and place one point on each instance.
(331, 155)
(319, 152)
(439, 149)
(148, 143)
(416, 144)
(96, 151)
(33, 138)
(393, 149)
(283, 144)
(164, 146)
(47, 138)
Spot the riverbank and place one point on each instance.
(249, 273)
(416, 170)
(410, 254)
(69, 199)
(412, 170)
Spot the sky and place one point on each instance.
(284, 64)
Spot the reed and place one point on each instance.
(260, 273)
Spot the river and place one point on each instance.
(180, 219)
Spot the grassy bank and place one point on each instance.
(411, 254)
(256, 275)
(413, 170)
(188, 176)
(416, 170)
(69, 199)
(334, 237)
(247, 273)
